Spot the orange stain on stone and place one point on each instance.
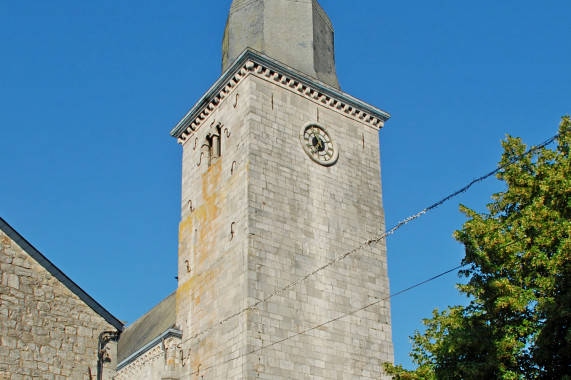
(199, 287)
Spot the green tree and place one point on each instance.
(518, 270)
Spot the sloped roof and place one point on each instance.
(144, 330)
(57, 273)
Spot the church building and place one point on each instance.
(281, 186)
(281, 192)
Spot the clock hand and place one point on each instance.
(315, 133)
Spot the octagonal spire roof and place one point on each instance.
(297, 33)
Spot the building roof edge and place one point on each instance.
(166, 334)
(57, 273)
(253, 62)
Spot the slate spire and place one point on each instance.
(297, 33)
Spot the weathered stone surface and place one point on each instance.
(42, 337)
(264, 215)
(297, 33)
(158, 362)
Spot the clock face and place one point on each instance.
(318, 144)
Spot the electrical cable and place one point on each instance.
(353, 311)
(379, 238)
(367, 243)
(331, 320)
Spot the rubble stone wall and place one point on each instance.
(46, 331)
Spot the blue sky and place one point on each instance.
(90, 91)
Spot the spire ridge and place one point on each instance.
(297, 33)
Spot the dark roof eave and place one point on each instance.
(57, 273)
(250, 54)
(131, 358)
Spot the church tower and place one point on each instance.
(281, 186)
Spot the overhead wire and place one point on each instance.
(352, 312)
(362, 245)
(331, 320)
(381, 237)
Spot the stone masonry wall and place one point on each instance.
(46, 331)
(212, 244)
(303, 215)
(264, 215)
(159, 362)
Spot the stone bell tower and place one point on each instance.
(281, 176)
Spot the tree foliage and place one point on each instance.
(518, 269)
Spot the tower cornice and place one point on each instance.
(254, 63)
